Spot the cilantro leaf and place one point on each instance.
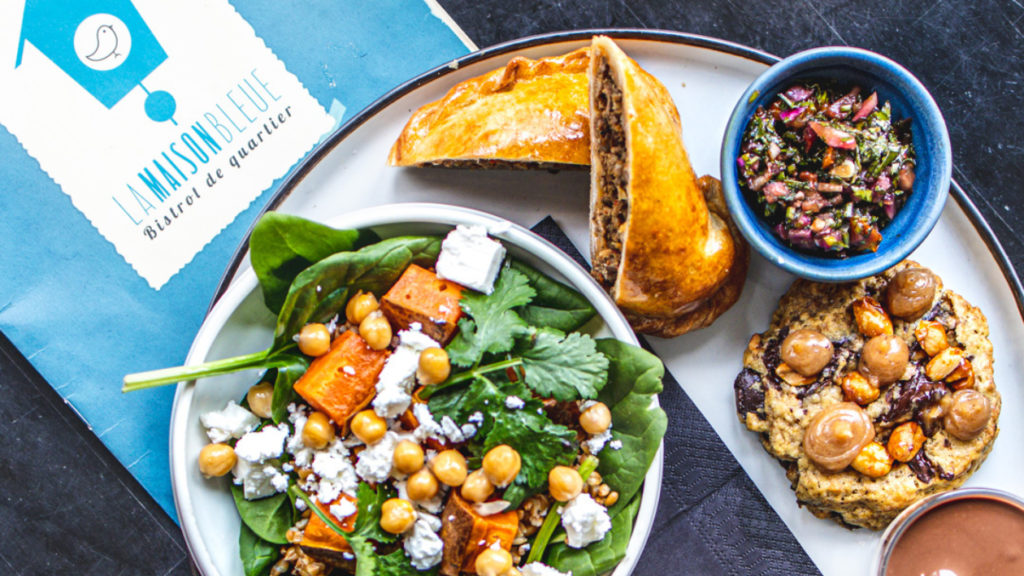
(492, 326)
(564, 367)
(541, 443)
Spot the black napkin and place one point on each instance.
(711, 517)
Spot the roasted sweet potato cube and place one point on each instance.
(466, 533)
(324, 544)
(420, 296)
(342, 382)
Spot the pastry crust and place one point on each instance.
(668, 261)
(529, 114)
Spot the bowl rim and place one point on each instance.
(894, 532)
(384, 215)
(793, 260)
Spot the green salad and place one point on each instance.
(428, 406)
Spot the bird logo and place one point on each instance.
(106, 44)
(102, 42)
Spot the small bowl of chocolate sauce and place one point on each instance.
(962, 532)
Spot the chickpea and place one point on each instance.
(360, 306)
(910, 293)
(216, 459)
(968, 414)
(314, 339)
(408, 457)
(318, 431)
(397, 515)
(806, 351)
(421, 486)
(596, 419)
(905, 441)
(501, 465)
(564, 483)
(873, 461)
(260, 398)
(434, 366)
(884, 358)
(368, 427)
(376, 330)
(450, 467)
(477, 488)
(493, 562)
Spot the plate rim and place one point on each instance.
(387, 215)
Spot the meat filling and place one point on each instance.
(611, 207)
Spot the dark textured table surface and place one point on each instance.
(68, 507)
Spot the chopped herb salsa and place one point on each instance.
(828, 167)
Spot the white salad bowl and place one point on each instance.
(241, 324)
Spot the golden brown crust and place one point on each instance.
(680, 266)
(530, 111)
(724, 296)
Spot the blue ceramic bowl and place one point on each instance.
(908, 98)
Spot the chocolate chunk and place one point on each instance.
(749, 392)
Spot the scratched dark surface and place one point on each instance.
(68, 507)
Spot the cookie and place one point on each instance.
(873, 411)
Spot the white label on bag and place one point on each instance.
(161, 120)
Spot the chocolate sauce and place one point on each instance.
(965, 537)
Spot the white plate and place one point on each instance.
(705, 77)
(241, 324)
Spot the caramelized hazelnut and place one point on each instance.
(806, 351)
(910, 293)
(932, 337)
(837, 434)
(871, 318)
(884, 358)
(905, 440)
(967, 414)
(873, 461)
(857, 388)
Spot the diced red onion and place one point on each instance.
(867, 107)
(789, 115)
(798, 93)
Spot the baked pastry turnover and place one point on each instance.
(529, 114)
(662, 242)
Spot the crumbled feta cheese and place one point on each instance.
(300, 505)
(374, 463)
(231, 422)
(585, 521)
(343, 509)
(397, 378)
(468, 257)
(258, 480)
(454, 432)
(333, 473)
(597, 442)
(349, 370)
(427, 426)
(541, 569)
(615, 444)
(476, 418)
(262, 445)
(514, 403)
(423, 546)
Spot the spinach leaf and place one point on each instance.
(634, 379)
(284, 378)
(282, 245)
(555, 305)
(398, 564)
(257, 554)
(492, 326)
(564, 367)
(320, 291)
(602, 556)
(269, 518)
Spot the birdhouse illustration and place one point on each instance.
(103, 45)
